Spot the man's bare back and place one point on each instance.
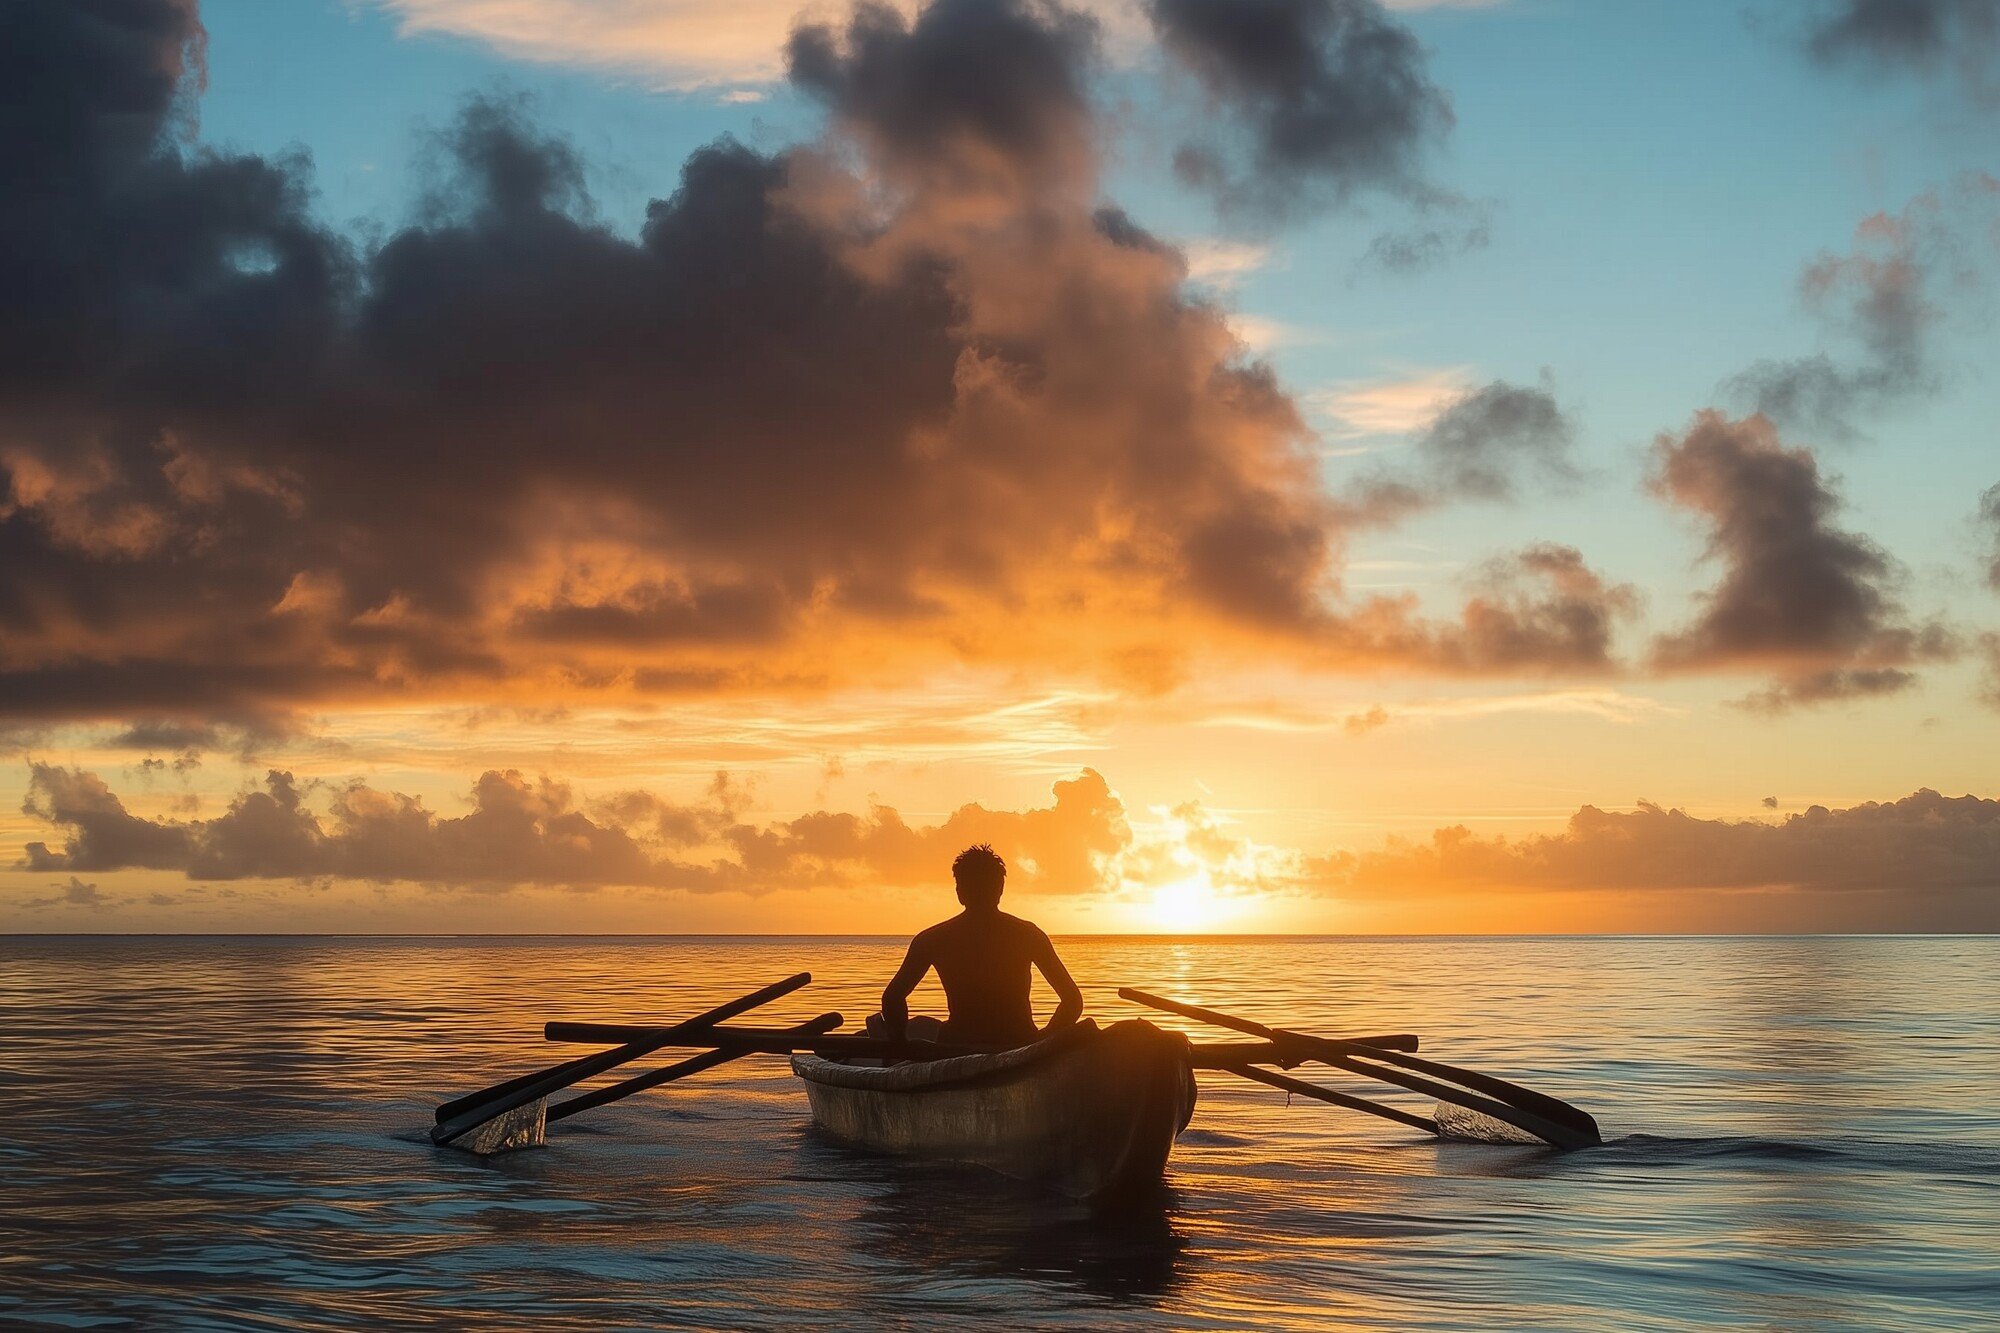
(984, 958)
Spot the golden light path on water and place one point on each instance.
(229, 1132)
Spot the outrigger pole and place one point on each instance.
(1535, 1113)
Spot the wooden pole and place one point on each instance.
(1305, 1089)
(465, 1113)
(681, 1069)
(1575, 1128)
(772, 1041)
(1225, 1054)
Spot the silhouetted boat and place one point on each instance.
(1091, 1113)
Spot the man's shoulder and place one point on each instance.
(1024, 927)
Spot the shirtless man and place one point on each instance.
(982, 956)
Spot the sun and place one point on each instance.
(1185, 905)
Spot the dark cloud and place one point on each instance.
(75, 893)
(1989, 684)
(1538, 612)
(1798, 596)
(1425, 246)
(521, 832)
(104, 835)
(1485, 446)
(1927, 856)
(1543, 609)
(908, 393)
(1989, 518)
(1959, 38)
(1835, 686)
(976, 95)
(1330, 96)
(1890, 294)
(167, 734)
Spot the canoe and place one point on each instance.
(1091, 1113)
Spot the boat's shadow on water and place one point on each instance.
(971, 1223)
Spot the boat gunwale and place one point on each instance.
(967, 1071)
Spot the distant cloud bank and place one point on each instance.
(1934, 860)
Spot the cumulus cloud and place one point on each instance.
(1797, 596)
(1954, 38)
(1929, 858)
(523, 832)
(904, 394)
(1329, 97)
(1924, 846)
(1889, 294)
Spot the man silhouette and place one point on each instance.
(982, 957)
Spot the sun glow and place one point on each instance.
(1185, 905)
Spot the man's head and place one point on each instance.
(981, 874)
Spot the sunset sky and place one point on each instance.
(1265, 465)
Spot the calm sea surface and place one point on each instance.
(229, 1133)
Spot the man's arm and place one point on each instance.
(1069, 1000)
(895, 997)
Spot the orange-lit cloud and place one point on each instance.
(523, 832)
(1942, 853)
(904, 397)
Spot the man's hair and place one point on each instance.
(980, 874)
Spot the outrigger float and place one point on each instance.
(1089, 1112)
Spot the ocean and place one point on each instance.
(229, 1132)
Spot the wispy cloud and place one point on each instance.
(676, 44)
(1391, 405)
(1220, 262)
(1605, 704)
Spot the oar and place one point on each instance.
(1305, 1089)
(456, 1117)
(1226, 1054)
(1539, 1114)
(680, 1069)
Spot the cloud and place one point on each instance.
(1481, 445)
(1989, 685)
(1989, 517)
(1891, 293)
(676, 44)
(75, 893)
(905, 395)
(1797, 595)
(1543, 608)
(1417, 248)
(1927, 859)
(1328, 97)
(523, 832)
(1395, 406)
(1924, 846)
(1957, 38)
(1223, 263)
